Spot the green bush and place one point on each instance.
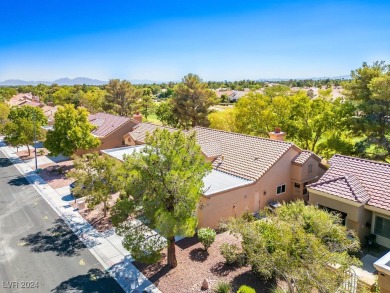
(230, 252)
(246, 289)
(206, 236)
(248, 217)
(223, 287)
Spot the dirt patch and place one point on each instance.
(24, 154)
(195, 265)
(55, 173)
(96, 216)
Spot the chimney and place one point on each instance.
(138, 117)
(277, 134)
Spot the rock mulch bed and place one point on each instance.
(195, 265)
(55, 173)
(96, 216)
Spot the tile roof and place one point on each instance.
(301, 158)
(242, 155)
(107, 123)
(212, 149)
(368, 181)
(348, 187)
(214, 182)
(237, 154)
(140, 130)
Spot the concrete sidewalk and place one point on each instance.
(106, 247)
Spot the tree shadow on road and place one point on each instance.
(58, 238)
(4, 162)
(19, 181)
(94, 281)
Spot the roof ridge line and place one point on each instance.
(361, 159)
(246, 135)
(348, 177)
(333, 179)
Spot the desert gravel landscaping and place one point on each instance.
(195, 265)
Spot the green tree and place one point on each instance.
(7, 93)
(369, 89)
(4, 112)
(121, 97)
(62, 96)
(71, 132)
(254, 115)
(146, 104)
(298, 243)
(277, 91)
(97, 179)
(164, 113)
(223, 120)
(19, 130)
(166, 180)
(191, 101)
(93, 99)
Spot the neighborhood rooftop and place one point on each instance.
(358, 180)
(301, 158)
(214, 182)
(245, 156)
(107, 123)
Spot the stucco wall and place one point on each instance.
(384, 282)
(300, 173)
(114, 140)
(249, 198)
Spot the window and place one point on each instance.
(297, 185)
(123, 142)
(281, 189)
(310, 168)
(382, 227)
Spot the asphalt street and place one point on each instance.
(38, 252)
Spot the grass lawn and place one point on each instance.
(153, 119)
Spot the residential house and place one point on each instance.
(20, 100)
(249, 173)
(359, 190)
(110, 129)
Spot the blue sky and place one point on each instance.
(164, 40)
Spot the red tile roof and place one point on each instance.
(139, 131)
(107, 123)
(358, 180)
(241, 155)
(301, 158)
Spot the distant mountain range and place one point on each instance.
(69, 81)
(308, 78)
(90, 81)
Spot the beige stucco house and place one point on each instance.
(110, 129)
(248, 172)
(360, 191)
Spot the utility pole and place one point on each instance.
(35, 145)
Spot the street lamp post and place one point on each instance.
(35, 142)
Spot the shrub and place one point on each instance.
(223, 287)
(41, 152)
(206, 237)
(278, 290)
(248, 217)
(229, 252)
(246, 289)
